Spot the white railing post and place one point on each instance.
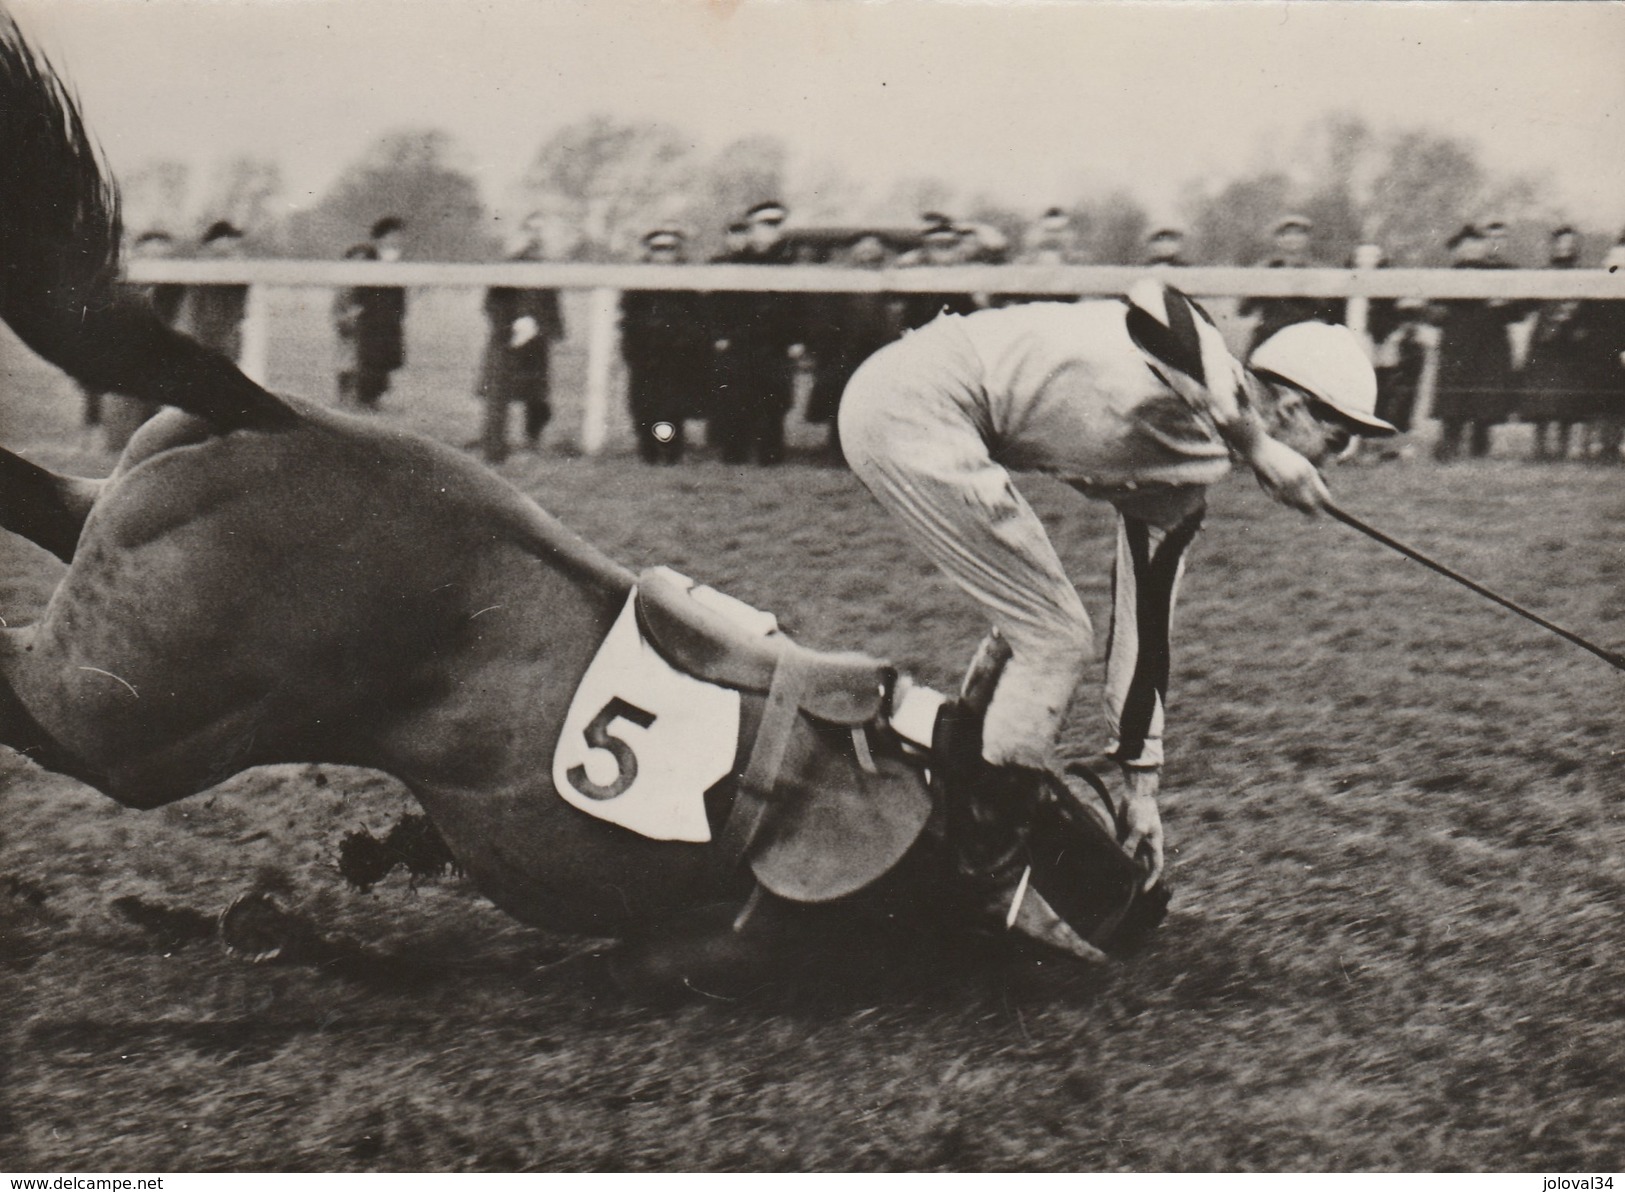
(1357, 310)
(1427, 385)
(256, 351)
(603, 344)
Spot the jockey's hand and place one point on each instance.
(1289, 477)
(1142, 821)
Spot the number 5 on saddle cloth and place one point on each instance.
(698, 721)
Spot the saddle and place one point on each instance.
(823, 805)
(843, 688)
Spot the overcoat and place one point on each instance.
(1475, 381)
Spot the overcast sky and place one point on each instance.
(1038, 102)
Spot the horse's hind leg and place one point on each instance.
(45, 508)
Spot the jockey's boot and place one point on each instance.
(989, 825)
(987, 809)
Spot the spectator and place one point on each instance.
(1610, 422)
(666, 340)
(1166, 246)
(1398, 351)
(1565, 253)
(856, 327)
(1573, 367)
(1292, 236)
(1400, 355)
(1496, 239)
(720, 309)
(1553, 376)
(756, 331)
(1472, 393)
(524, 324)
(121, 415)
(213, 314)
(165, 297)
(371, 318)
(1051, 242)
(982, 244)
(940, 247)
(345, 314)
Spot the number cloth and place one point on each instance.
(643, 742)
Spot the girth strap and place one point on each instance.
(783, 705)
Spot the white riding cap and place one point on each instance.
(1328, 363)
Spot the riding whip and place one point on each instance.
(1612, 657)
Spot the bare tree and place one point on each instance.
(1114, 227)
(1428, 186)
(412, 174)
(1232, 225)
(825, 193)
(612, 179)
(744, 172)
(1406, 189)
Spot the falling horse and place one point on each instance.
(262, 580)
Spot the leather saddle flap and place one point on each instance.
(846, 688)
(835, 827)
(829, 816)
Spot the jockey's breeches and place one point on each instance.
(914, 429)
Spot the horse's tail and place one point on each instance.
(60, 233)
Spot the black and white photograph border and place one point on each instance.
(1051, 601)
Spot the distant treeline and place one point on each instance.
(605, 181)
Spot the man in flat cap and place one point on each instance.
(1473, 387)
(982, 243)
(1138, 403)
(756, 331)
(213, 314)
(1497, 240)
(1572, 376)
(1051, 241)
(666, 341)
(1292, 236)
(941, 246)
(371, 319)
(1165, 246)
(516, 369)
(155, 244)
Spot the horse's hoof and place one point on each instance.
(257, 928)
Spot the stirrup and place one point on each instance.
(990, 825)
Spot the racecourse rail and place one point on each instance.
(605, 284)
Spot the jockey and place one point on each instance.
(1137, 403)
